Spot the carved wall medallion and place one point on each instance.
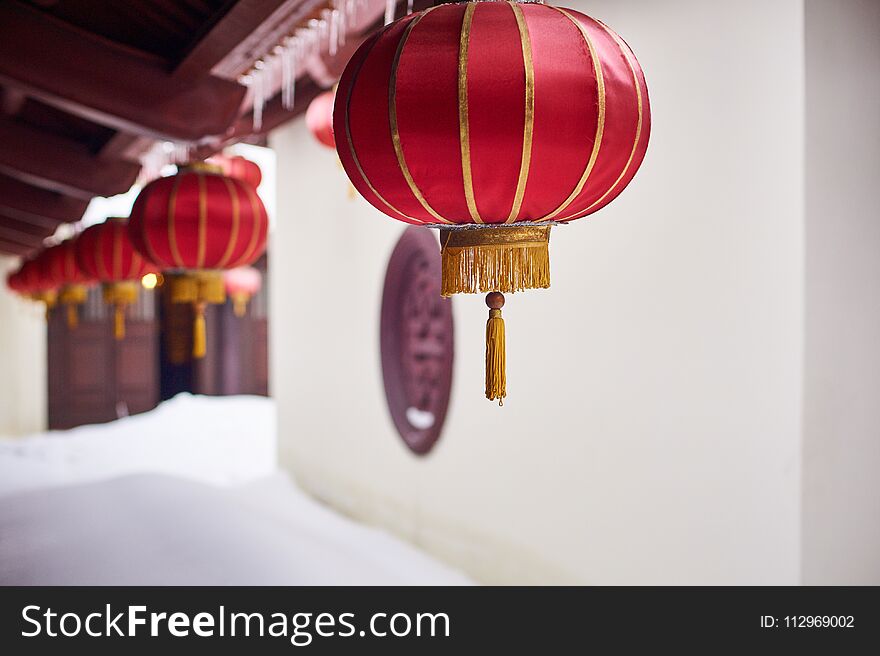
(417, 340)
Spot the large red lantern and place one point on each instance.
(492, 121)
(104, 253)
(319, 118)
(195, 224)
(72, 282)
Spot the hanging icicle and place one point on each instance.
(259, 97)
(409, 6)
(390, 5)
(288, 76)
(333, 42)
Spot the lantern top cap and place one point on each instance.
(201, 167)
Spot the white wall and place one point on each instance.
(841, 521)
(659, 441)
(22, 361)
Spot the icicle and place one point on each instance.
(259, 97)
(409, 6)
(288, 79)
(333, 44)
(390, 5)
(343, 27)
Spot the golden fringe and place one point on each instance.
(73, 294)
(495, 268)
(120, 292)
(496, 376)
(202, 286)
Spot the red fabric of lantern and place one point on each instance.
(195, 223)
(238, 167)
(71, 280)
(491, 113)
(199, 219)
(33, 280)
(64, 269)
(105, 253)
(319, 118)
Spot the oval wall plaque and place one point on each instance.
(416, 340)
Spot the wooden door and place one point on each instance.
(92, 377)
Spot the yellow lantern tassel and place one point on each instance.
(199, 332)
(496, 375)
(72, 317)
(239, 304)
(119, 321)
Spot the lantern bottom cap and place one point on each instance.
(122, 292)
(495, 259)
(198, 286)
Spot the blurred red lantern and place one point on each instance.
(195, 224)
(31, 281)
(13, 282)
(72, 282)
(241, 284)
(104, 253)
(319, 118)
(500, 117)
(238, 167)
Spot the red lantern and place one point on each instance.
(238, 167)
(196, 223)
(13, 282)
(37, 282)
(104, 253)
(72, 282)
(499, 117)
(319, 118)
(241, 284)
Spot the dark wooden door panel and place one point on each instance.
(93, 378)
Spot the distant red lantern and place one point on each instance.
(32, 281)
(319, 118)
(242, 283)
(194, 224)
(73, 283)
(104, 252)
(238, 167)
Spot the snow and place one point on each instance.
(187, 494)
(219, 440)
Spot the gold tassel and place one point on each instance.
(72, 317)
(239, 303)
(119, 321)
(199, 330)
(504, 259)
(496, 375)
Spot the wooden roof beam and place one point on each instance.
(210, 48)
(44, 160)
(46, 208)
(107, 83)
(13, 248)
(26, 227)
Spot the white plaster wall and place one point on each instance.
(841, 461)
(652, 432)
(22, 361)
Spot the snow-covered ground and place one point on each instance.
(186, 494)
(219, 440)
